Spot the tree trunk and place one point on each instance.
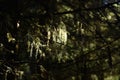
(86, 77)
(100, 76)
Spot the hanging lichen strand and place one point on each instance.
(36, 46)
(37, 41)
(60, 34)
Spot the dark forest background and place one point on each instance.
(59, 40)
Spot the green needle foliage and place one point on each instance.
(59, 39)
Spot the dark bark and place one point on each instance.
(100, 76)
